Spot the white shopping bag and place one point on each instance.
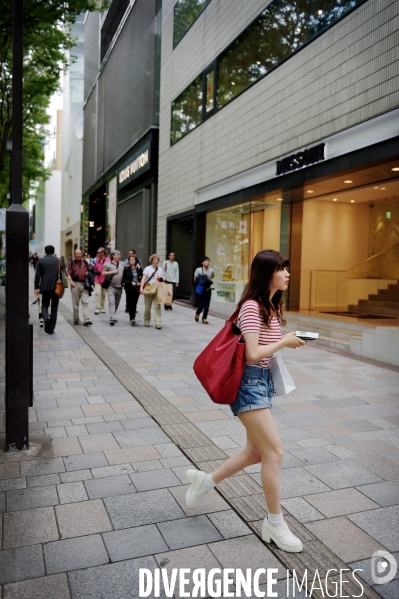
(282, 381)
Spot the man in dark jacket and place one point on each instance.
(45, 279)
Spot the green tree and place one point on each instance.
(47, 39)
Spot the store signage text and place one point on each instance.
(301, 159)
(133, 167)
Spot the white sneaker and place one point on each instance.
(96, 311)
(193, 495)
(282, 536)
(102, 311)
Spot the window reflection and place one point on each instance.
(282, 28)
(187, 110)
(185, 13)
(210, 90)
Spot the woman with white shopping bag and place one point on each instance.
(260, 317)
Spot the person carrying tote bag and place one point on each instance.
(152, 275)
(259, 319)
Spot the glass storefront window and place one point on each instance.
(187, 110)
(233, 237)
(186, 12)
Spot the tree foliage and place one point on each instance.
(47, 38)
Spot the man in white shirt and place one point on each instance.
(171, 270)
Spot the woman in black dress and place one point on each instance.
(131, 281)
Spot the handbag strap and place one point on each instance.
(233, 317)
(152, 274)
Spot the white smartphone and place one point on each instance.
(307, 335)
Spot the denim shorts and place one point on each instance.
(255, 392)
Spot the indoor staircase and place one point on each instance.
(385, 302)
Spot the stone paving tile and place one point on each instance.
(99, 442)
(76, 475)
(341, 502)
(141, 437)
(150, 465)
(131, 454)
(47, 587)
(155, 479)
(104, 427)
(380, 465)
(301, 510)
(12, 483)
(296, 482)
(168, 450)
(60, 413)
(76, 430)
(107, 471)
(369, 447)
(26, 499)
(109, 486)
(229, 524)
(211, 502)
(86, 460)
(45, 466)
(385, 493)
(221, 427)
(29, 527)
(119, 581)
(21, 563)
(71, 492)
(66, 447)
(96, 410)
(56, 432)
(294, 434)
(136, 423)
(249, 552)
(191, 557)
(381, 524)
(148, 507)
(345, 473)
(80, 519)
(314, 455)
(66, 402)
(188, 532)
(74, 554)
(345, 539)
(134, 542)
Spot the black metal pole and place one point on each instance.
(18, 375)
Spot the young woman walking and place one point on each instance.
(131, 281)
(260, 317)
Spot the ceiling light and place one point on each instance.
(396, 168)
(279, 199)
(310, 191)
(352, 201)
(375, 187)
(232, 83)
(257, 62)
(348, 181)
(335, 199)
(382, 187)
(319, 12)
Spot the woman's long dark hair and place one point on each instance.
(258, 288)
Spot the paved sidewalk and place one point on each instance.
(100, 494)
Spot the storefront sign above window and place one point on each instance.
(301, 159)
(139, 163)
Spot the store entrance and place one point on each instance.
(97, 220)
(180, 241)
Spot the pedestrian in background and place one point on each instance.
(202, 278)
(78, 270)
(260, 317)
(45, 280)
(132, 276)
(171, 270)
(35, 259)
(99, 278)
(114, 270)
(129, 255)
(152, 273)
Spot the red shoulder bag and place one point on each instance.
(220, 367)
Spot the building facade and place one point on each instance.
(279, 128)
(121, 122)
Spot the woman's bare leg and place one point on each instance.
(263, 444)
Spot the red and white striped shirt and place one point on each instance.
(250, 321)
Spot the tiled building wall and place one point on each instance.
(346, 76)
